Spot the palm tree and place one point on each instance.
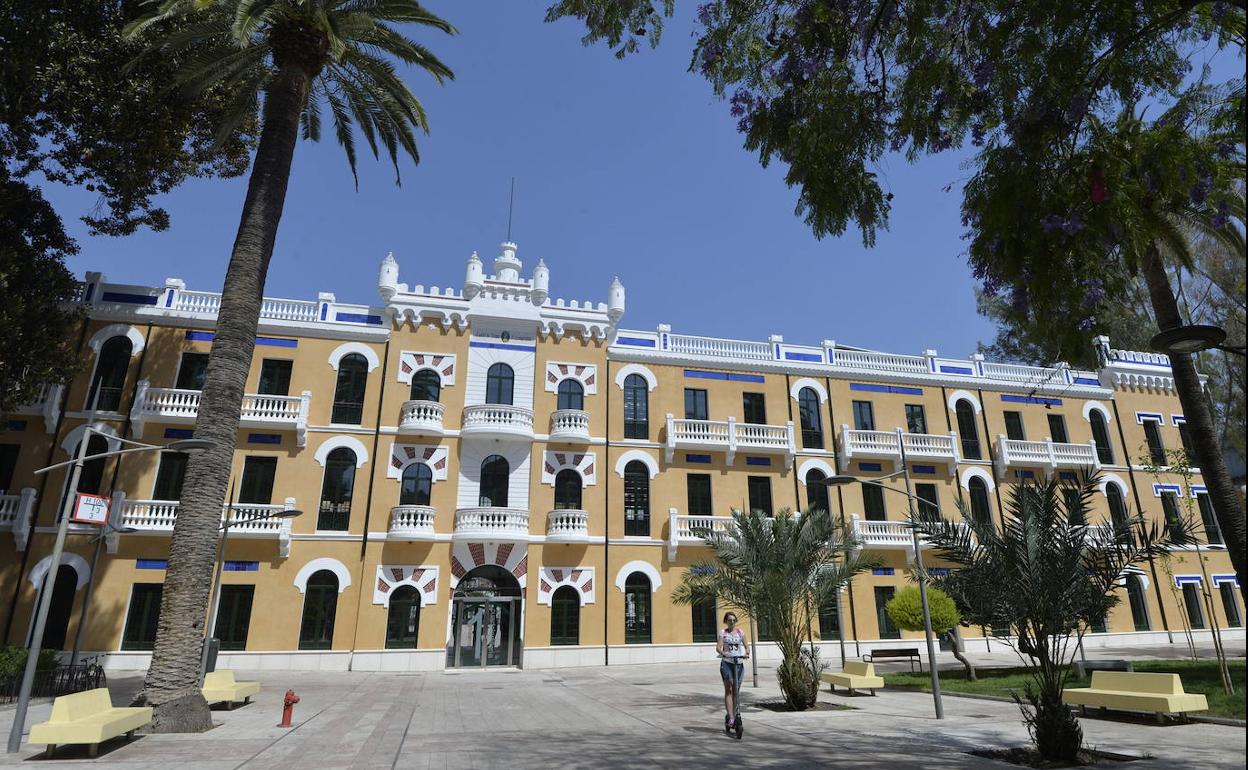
(1049, 577)
(778, 571)
(294, 56)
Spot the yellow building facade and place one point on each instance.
(492, 477)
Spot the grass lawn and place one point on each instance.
(1198, 676)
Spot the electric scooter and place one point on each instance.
(738, 726)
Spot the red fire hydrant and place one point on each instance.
(288, 707)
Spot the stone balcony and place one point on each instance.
(567, 526)
(411, 522)
(500, 421)
(1047, 455)
(157, 517)
(175, 405)
(684, 529)
(421, 418)
(16, 512)
(882, 534)
(888, 445)
(500, 524)
(47, 404)
(730, 437)
(570, 426)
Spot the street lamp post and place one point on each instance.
(210, 627)
(937, 702)
(45, 595)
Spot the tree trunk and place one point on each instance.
(1205, 443)
(172, 683)
(955, 642)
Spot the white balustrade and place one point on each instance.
(245, 519)
(887, 445)
(569, 425)
(492, 524)
(880, 362)
(567, 526)
(1031, 375)
(729, 436)
(931, 446)
(719, 348)
(688, 529)
(1047, 454)
(421, 417)
(209, 303)
(498, 420)
(883, 534)
(257, 410)
(411, 522)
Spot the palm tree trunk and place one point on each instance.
(1206, 445)
(172, 683)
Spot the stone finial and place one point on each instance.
(474, 277)
(615, 300)
(541, 283)
(388, 277)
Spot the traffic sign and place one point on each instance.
(90, 509)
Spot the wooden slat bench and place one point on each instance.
(885, 653)
(856, 676)
(1136, 691)
(88, 718)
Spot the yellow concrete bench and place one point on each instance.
(220, 686)
(1136, 691)
(855, 676)
(88, 717)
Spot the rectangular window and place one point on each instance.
(8, 464)
(873, 502)
(1174, 520)
(636, 408)
(1156, 447)
(1213, 535)
(1139, 605)
(234, 616)
(916, 420)
(864, 416)
(699, 494)
(1191, 603)
(753, 408)
(192, 371)
(257, 484)
(695, 404)
(169, 476)
(1230, 605)
(704, 622)
(141, 618)
(760, 493)
(929, 501)
(883, 594)
(830, 620)
(1057, 429)
(1014, 426)
(1185, 436)
(275, 377)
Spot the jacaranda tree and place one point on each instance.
(289, 59)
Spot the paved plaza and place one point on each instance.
(623, 716)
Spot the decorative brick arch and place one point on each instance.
(390, 577)
(513, 557)
(585, 374)
(411, 362)
(583, 463)
(403, 455)
(550, 579)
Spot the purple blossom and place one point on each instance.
(704, 13)
(1087, 323)
(1051, 223)
(742, 101)
(1225, 150)
(1072, 224)
(1223, 216)
(1094, 292)
(1200, 191)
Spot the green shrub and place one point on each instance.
(13, 660)
(906, 609)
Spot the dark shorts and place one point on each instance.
(728, 669)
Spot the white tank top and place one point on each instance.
(733, 643)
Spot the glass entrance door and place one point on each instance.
(485, 631)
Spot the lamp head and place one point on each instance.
(1189, 339)
(839, 480)
(190, 446)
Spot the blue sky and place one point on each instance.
(629, 168)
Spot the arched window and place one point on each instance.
(636, 499)
(403, 620)
(981, 509)
(349, 393)
(110, 374)
(499, 383)
(335, 510)
(812, 423)
(565, 616)
(1117, 506)
(416, 486)
(568, 490)
(637, 609)
(571, 395)
(426, 385)
(91, 478)
(320, 604)
(63, 589)
(816, 491)
(494, 477)
(967, 430)
(636, 407)
(1138, 602)
(1100, 434)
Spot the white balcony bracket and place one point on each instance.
(283, 534)
(116, 521)
(23, 515)
(301, 422)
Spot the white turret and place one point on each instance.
(615, 300)
(474, 277)
(388, 277)
(507, 265)
(541, 283)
